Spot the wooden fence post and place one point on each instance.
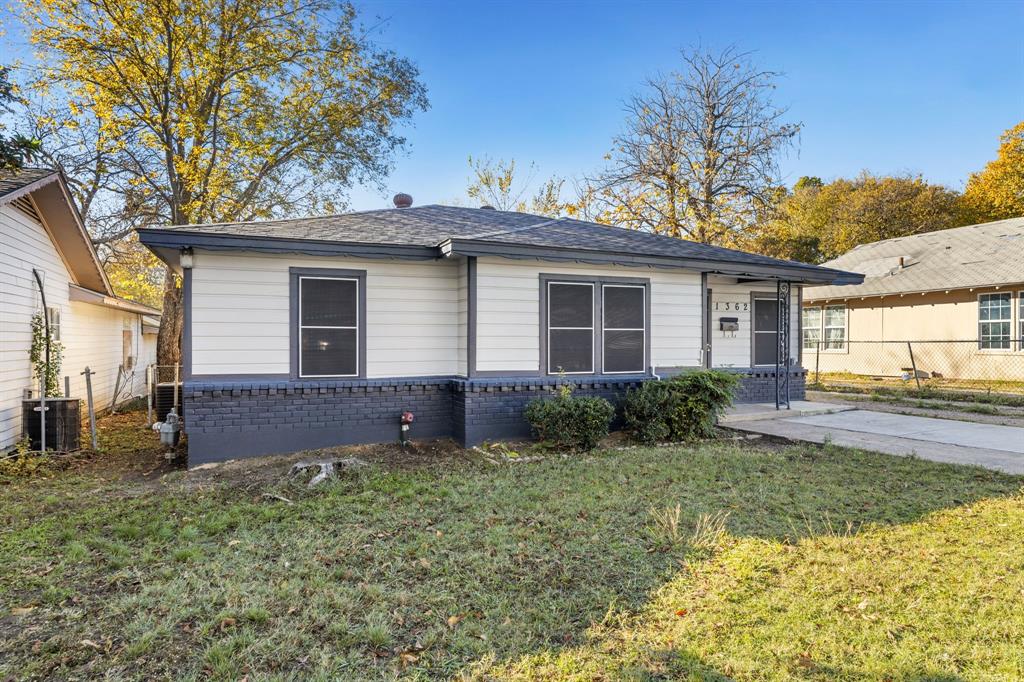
(92, 413)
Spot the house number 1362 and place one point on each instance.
(729, 305)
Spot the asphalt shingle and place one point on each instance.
(989, 254)
(432, 224)
(13, 180)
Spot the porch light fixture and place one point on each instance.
(186, 258)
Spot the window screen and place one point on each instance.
(624, 332)
(53, 318)
(328, 327)
(766, 334)
(994, 319)
(570, 328)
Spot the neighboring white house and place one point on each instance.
(40, 230)
(320, 331)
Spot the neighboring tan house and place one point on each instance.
(321, 331)
(959, 291)
(41, 230)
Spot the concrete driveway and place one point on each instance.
(942, 440)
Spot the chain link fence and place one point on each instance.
(989, 366)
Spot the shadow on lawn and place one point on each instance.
(783, 495)
(425, 571)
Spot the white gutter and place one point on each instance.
(77, 293)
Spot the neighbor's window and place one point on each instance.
(53, 318)
(835, 327)
(811, 326)
(570, 327)
(766, 331)
(994, 321)
(1020, 321)
(328, 327)
(624, 334)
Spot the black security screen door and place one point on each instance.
(766, 331)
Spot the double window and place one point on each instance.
(596, 326)
(824, 328)
(328, 325)
(995, 321)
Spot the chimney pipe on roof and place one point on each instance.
(901, 262)
(402, 200)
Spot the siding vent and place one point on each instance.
(25, 205)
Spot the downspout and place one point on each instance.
(46, 366)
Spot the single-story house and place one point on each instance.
(321, 331)
(960, 292)
(41, 232)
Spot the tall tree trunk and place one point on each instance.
(168, 341)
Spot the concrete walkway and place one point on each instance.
(942, 440)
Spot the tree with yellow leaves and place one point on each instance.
(997, 192)
(224, 110)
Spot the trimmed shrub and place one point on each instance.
(685, 407)
(569, 422)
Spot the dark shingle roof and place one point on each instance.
(13, 180)
(431, 225)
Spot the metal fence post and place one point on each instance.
(42, 411)
(149, 395)
(913, 365)
(817, 362)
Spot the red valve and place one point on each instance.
(407, 417)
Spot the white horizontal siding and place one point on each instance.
(508, 312)
(732, 349)
(91, 335)
(240, 314)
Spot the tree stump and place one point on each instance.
(325, 468)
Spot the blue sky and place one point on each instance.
(889, 87)
(924, 87)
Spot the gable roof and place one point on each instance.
(988, 254)
(434, 231)
(48, 192)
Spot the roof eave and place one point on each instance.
(809, 274)
(167, 245)
(77, 293)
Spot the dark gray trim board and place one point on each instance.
(705, 320)
(471, 316)
(294, 274)
(186, 323)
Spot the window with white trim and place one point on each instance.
(834, 326)
(570, 327)
(624, 339)
(995, 313)
(53, 319)
(810, 324)
(328, 326)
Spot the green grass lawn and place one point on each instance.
(780, 563)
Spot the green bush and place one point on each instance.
(685, 407)
(569, 422)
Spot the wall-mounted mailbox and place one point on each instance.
(729, 324)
